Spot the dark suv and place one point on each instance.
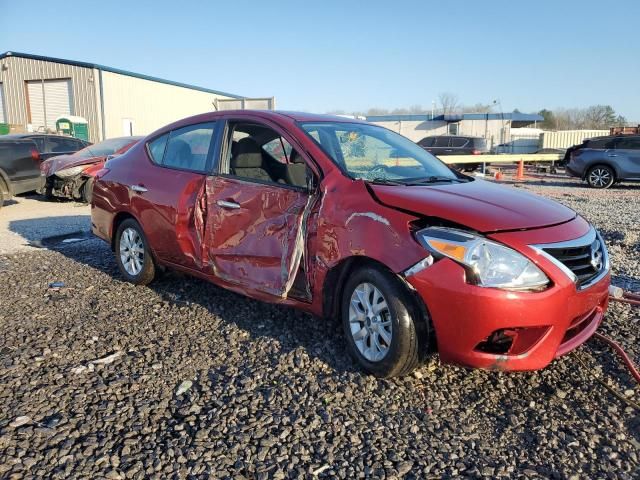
(20, 157)
(603, 161)
(455, 145)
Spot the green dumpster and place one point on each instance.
(5, 129)
(75, 126)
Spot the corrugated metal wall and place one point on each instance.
(568, 138)
(16, 70)
(495, 131)
(148, 105)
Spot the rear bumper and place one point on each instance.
(573, 173)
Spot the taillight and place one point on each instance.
(35, 155)
(475, 152)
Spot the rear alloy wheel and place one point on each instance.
(600, 176)
(383, 328)
(133, 255)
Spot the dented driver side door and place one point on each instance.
(255, 226)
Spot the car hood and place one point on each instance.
(480, 205)
(62, 162)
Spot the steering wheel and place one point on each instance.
(379, 168)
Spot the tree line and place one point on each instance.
(594, 117)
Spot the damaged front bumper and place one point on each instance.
(68, 187)
(506, 330)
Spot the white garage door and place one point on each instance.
(52, 103)
(3, 117)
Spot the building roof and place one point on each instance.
(114, 70)
(513, 116)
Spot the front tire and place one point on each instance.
(601, 176)
(382, 325)
(87, 190)
(133, 254)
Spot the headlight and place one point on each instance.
(489, 263)
(71, 172)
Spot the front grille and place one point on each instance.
(585, 261)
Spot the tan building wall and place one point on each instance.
(16, 71)
(495, 131)
(144, 105)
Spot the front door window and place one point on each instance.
(256, 211)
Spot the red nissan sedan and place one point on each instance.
(346, 219)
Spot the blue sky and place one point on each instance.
(325, 55)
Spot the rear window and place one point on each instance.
(426, 142)
(599, 143)
(480, 143)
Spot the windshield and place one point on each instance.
(376, 154)
(108, 147)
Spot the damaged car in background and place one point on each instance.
(71, 176)
(345, 219)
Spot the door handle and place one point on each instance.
(138, 188)
(612, 155)
(227, 204)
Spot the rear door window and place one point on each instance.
(185, 148)
(441, 142)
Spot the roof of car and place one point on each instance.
(317, 117)
(17, 136)
(611, 137)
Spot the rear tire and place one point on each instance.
(133, 254)
(382, 325)
(601, 176)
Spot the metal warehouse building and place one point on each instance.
(36, 90)
(496, 128)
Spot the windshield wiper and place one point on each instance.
(434, 179)
(384, 181)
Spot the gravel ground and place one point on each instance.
(101, 379)
(27, 219)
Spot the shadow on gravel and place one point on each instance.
(292, 328)
(37, 231)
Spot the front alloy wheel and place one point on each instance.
(600, 177)
(384, 327)
(132, 253)
(370, 322)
